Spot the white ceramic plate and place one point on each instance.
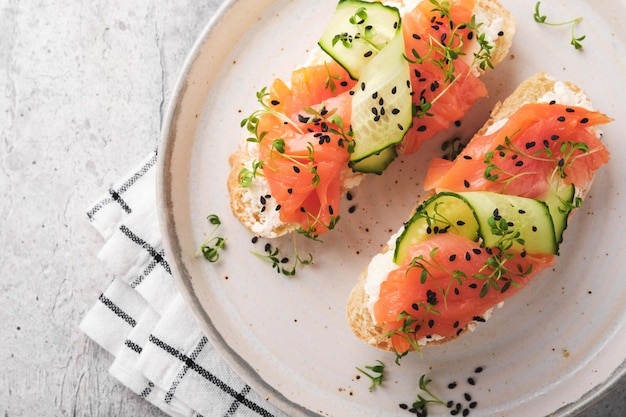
(552, 349)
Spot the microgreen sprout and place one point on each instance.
(423, 402)
(365, 32)
(444, 51)
(453, 147)
(279, 263)
(213, 244)
(378, 374)
(575, 41)
(499, 275)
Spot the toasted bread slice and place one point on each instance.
(539, 87)
(259, 214)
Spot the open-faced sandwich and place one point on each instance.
(386, 76)
(493, 219)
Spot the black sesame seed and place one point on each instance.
(469, 158)
(452, 257)
(449, 404)
(262, 199)
(520, 211)
(362, 86)
(368, 54)
(458, 332)
(255, 239)
(278, 207)
(473, 404)
(466, 183)
(267, 247)
(275, 102)
(554, 137)
(584, 120)
(343, 83)
(473, 285)
(470, 36)
(303, 119)
(477, 251)
(289, 190)
(457, 123)
(296, 169)
(552, 102)
(466, 412)
(394, 90)
(501, 33)
(456, 324)
(395, 111)
(349, 196)
(443, 38)
(569, 110)
(454, 412)
(456, 292)
(467, 397)
(452, 385)
(546, 143)
(530, 145)
(431, 323)
(375, 95)
(460, 223)
(263, 209)
(561, 118)
(417, 74)
(284, 260)
(331, 210)
(421, 128)
(468, 257)
(519, 163)
(416, 36)
(479, 369)
(534, 228)
(351, 92)
(400, 126)
(434, 86)
(479, 319)
(403, 406)
(352, 209)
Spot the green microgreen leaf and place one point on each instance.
(377, 374)
(542, 19)
(212, 245)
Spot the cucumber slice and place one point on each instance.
(357, 31)
(560, 201)
(377, 163)
(442, 213)
(381, 105)
(528, 216)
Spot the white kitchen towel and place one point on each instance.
(140, 318)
